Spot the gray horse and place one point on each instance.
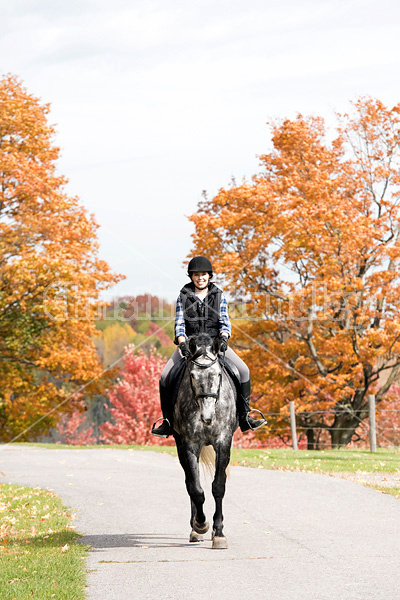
(205, 415)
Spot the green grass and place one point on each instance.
(391, 490)
(169, 449)
(39, 555)
(324, 461)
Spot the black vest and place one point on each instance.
(201, 316)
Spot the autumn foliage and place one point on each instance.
(388, 419)
(50, 272)
(312, 245)
(135, 401)
(112, 341)
(73, 428)
(158, 332)
(143, 304)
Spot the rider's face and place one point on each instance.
(200, 279)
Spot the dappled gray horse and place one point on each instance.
(205, 415)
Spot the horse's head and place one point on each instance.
(205, 374)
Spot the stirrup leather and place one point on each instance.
(258, 426)
(158, 434)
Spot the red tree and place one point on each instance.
(159, 333)
(388, 419)
(145, 304)
(135, 401)
(73, 428)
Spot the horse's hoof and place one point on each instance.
(200, 528)
(219, 543)
(195, 537)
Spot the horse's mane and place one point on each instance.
(202, 339)
(199, 343)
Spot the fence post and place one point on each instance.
(372, 425)
(293, 424)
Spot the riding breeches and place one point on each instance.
(243, 369)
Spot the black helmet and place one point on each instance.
(200, 264)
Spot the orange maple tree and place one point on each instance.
(51, 275)
(312, 246)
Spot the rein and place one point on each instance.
(211, 362)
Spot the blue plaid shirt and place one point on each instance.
(223, 320)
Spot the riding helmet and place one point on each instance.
(200, 264)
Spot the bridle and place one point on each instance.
(212, 361)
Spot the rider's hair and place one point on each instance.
(209, 272)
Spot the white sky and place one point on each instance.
(157, 100)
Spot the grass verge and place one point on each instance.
(392, 491)
(322, 461)
(39, 556)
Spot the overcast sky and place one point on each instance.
(158, 100)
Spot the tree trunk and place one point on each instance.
(310, 438)
(340, 439)
(343, 430)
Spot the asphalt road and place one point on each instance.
(291, 535)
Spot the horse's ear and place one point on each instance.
(215, 345)
(192, 346)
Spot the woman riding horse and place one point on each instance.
(201, 307)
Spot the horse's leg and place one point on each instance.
(189, 461)
(194, 536)
(222, 459)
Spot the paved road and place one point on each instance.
(291, 536)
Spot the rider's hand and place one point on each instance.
(223, 344)
(184, 348)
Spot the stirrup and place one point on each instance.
(158, 434)
(258, 426)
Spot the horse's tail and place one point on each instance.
(207, 457)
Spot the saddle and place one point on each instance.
(233, 373)
(175, 376)
(174, 379)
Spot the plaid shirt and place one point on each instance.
(223, 320)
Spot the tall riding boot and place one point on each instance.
(245, 421)
(165, 429)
